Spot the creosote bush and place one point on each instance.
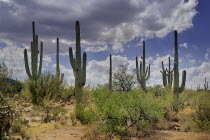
(121, 112)
(47, 87)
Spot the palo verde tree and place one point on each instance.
(79, 68)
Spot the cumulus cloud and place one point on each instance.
(184, 45)
(118, 47)
(125, 20)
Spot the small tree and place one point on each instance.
(5, 74)
(122, 80)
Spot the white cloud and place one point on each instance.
(125, 20)
(47, 58)
(184, 45)
(118, 47)
(13, 57)
(97, 48)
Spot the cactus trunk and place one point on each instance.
(176, 87)
(110, 74)
(144, 73)
(57, 62)
(79, 68)
(206, 85)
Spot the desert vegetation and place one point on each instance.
(123, 108)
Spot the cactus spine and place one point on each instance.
(167, 73)
(176, 87)
(57, 61)
(206, 85)
(79, 67)
(35, 73)
(144, 73)
(110, 74)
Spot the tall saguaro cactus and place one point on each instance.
(206, 85)
(167, 75)
(57, 61)
(110, 73)
(79, 67)
(144, 73)
(176, 87)
(35, 72)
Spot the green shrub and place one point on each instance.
(120, 111)
(46, 87)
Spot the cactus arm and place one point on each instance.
(26, 64)
(84, 69)
(72, 59)
(148, 75)
(164, 75)
(137, 69)
(40, 60)
(181, 89)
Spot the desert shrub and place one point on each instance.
(87, 116)
(6, 115)
(67, 93)
(120, 111)
(18, 125)
(5, 75)
(17, 87)
(203, 110)
(46, 87)
(157, 90)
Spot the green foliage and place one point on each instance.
(157, 90)
(67, 93)
(118, 112)
(5, 75)
(6, 115)
(17, 87)
(123, 80)
(47, 87)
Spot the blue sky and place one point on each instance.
(114, 27)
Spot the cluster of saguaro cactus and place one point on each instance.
(35, 72)
(144, 73)
(79, 67)
(206, 84)
(110, 73)
(176, 87)
(57, 61)
(167, 75)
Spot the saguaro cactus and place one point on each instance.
(57, 61)
(206, 85)
(176, 87)
(110, 73)
(167, 73)
(35, 73)
(144, 73)
(79, 67)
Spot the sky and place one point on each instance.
(115, 27)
